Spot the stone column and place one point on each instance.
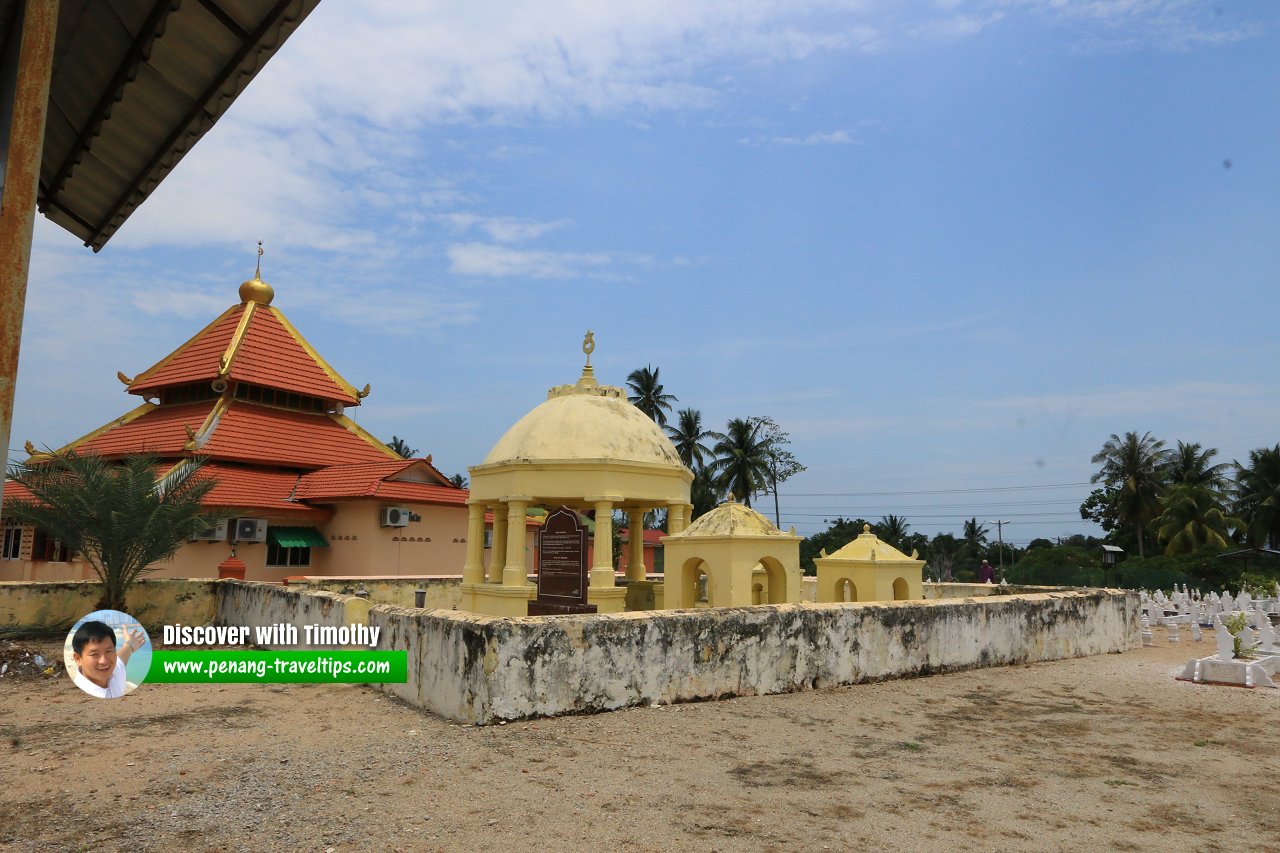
(675, 518)
(498, 553)
(635, 550)
(515, 573)
(602, 564)
(473, 568)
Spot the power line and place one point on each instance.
(931, 491)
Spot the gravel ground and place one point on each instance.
(1102, 753)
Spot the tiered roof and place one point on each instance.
(258, 403)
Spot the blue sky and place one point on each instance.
(949, 246)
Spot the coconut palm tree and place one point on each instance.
(689, 438)
(892, 529)
(975, 533)
(1192, 519)
(122, 517)
(741, 467)
(401, 448)
(1258, 496)
(1189, 464)
(646, 394)
(704, 494)
(1135, 467)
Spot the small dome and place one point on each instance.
(732, 519)
(257, 290)
(585, 421)
(869, 547)
(585, 427)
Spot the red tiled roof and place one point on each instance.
(195, 360)
(13, 490)
(375, 480)
(252, 433)
(270, 354)
(161, 431)
(248, 488)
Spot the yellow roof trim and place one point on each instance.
(233, 346)
(355, 429)
(210, 422)
(131, 415)
(149, 372)
(311, 351)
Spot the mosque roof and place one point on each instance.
(271, 431)
(731, 519)
(411, 480)
(238, 430)
(241, 487)
(251, 342)
(586, 421)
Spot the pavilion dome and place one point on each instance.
(582, 422)
(732, 519)
(868, 546)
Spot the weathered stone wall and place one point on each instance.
(443, 593)
(250, 604)
(152, 602)
(482, 669)
(969, 590)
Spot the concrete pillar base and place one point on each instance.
(611, 599)
(497, 600)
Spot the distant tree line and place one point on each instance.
(750, 458)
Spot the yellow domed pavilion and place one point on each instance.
(868, 569)
(732, 557)
(587, 448)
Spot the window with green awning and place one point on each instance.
(296, 537)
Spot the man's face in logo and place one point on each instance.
(97, 660)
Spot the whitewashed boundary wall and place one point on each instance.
(478, 669)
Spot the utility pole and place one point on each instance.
(1000, 537)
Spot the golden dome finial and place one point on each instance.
(589, 345)
(255, 289)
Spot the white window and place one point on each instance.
(12, 542)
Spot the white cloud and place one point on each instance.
(503, 229)
(835, 137)
(499, 261)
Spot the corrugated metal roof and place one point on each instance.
(135, 85)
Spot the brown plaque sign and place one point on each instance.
(562, 566)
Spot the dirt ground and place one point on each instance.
(1102, 753)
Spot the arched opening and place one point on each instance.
(775, 581)
(900, 590)
(845, 590)
(695, 583)
(757, 593)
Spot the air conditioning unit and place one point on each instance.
(250, 530)
(215, 532)
(395, 516)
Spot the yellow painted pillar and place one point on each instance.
(602, 565)
(635, 550)
(675, 518)
(515, 573)
(498, 555)
(473, 568)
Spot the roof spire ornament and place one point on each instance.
(255, 289)
(588, 377)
